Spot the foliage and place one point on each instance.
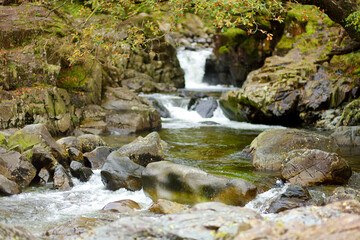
(354, 20)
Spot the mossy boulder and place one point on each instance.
(269, 149)
(188, 185)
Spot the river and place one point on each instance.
(212, 144)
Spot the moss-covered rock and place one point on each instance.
(351, 114)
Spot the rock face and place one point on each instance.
(312, 167)
(16, 168)
(351, 114)
(270, 148)
(120, 172)
(203, 221)
(190, 185)
(288, 87)
(8, 187)
(347, 136)
(127, 113)
(122, 206)
(145, 150)
(163, 206)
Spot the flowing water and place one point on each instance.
(212, 144)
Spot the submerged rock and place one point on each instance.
(122, 206)
(120, 172)
(308, 167)
(15, 232)
(162, 206)
(190, 185)
(145, 150)
(269, 149)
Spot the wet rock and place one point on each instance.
(190, 185)
(308, 223)
(62, 180)
(211, 220)
(8, 187)
(195, 98)
(343, 193)
(122, 206)
(269, 148)
(97, 157)
(67, 142)
(16, 168)
(294, 197)
(205, 107)
(351, 114)
(128, 113)
(160, 108)
(312, 167)
(120, 172)
(74, 228)
(15, 232)
(80, 172)
(75, 155)
(145, 150)
(37, 135)
(89, 142)
(162, 206)
(347, 136)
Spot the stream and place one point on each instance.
(211, 144)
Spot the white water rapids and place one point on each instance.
(41, 208)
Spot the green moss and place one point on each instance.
(2, 140)
(232, 33)
(72, 78)
(26, 141)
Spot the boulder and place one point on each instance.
(212, 220)
(308, 167)
(144, 150)
(308, 223)
(294, 197)
(129, 113)
(16, 168)
(122, 206)
(67, 142)
(75, 155)
(269, 149)
(347, 136)
(41, 157)
(15, 232)
(44, 176)
(96, 158)
(62, 180)
(89, 142)
(8, 187)
(160, 108)
(351, 114)
(79, 171)
(205, 107)
(163, 206)
(343, 193)
(120, 172)
(37, 135)
(190, 185)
